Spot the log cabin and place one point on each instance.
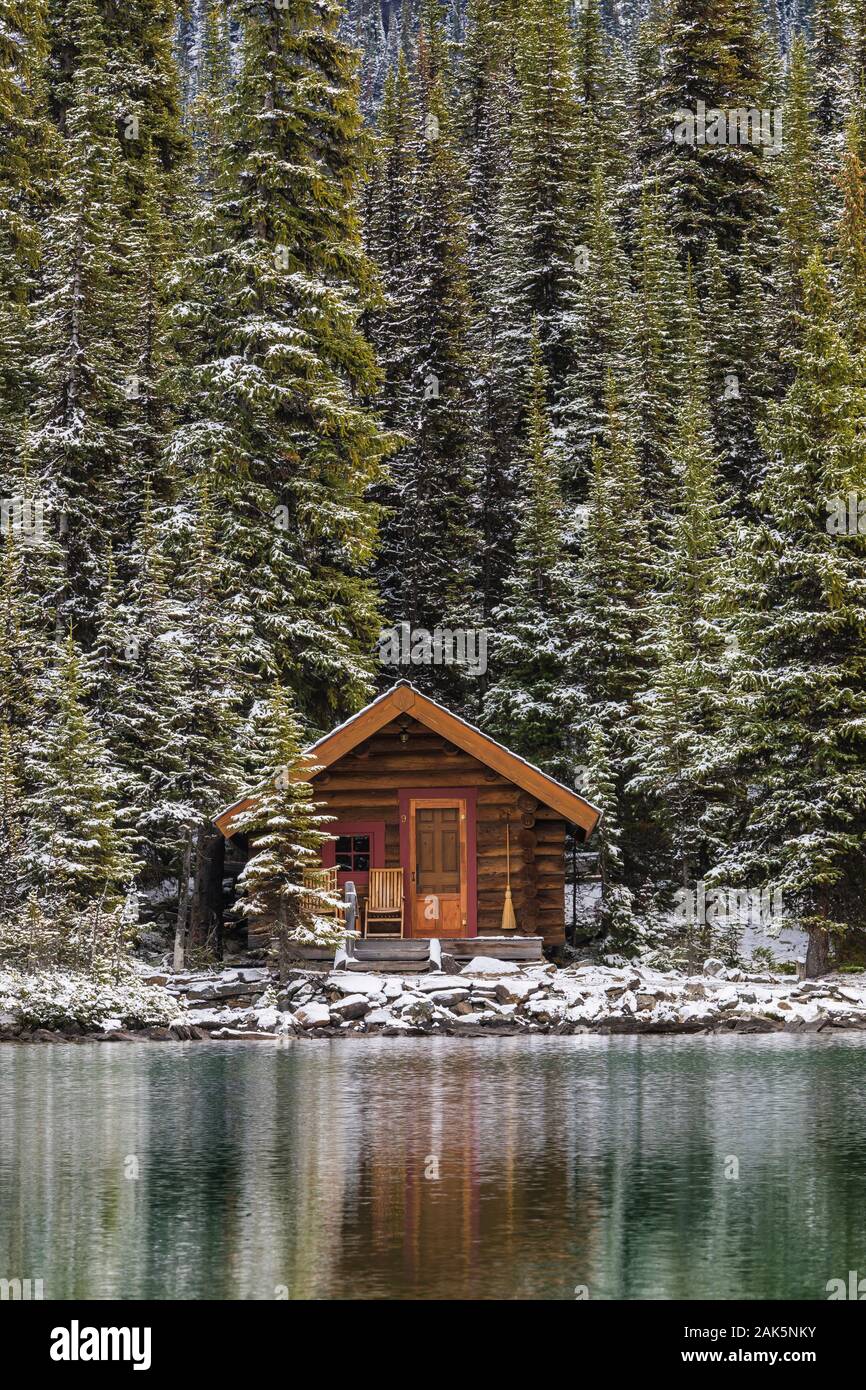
(412, 787)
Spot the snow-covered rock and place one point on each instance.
(585, 1012)
(489, 965)
(347, 982)
(433, 983)
(516, 991)
(377, 1018)
(712, 966)
(269, 1020)
(312, 1016)
(448, 996)
(548, 1010)
(243, 1035)
(350, 1006)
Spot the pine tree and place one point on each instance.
(19, 648)
(802, 596)
(682, 761)
(286, 829)
(830, 59)
(206, 723)
(857, 49)
(851, 236)
(390, 208)
(208, 109)
(539, 209)
(796, 182)
(615, 572)
(277, 405)
(25, 157)
(532, 700)
(617, 919)
(602, 121)
(614, 586)
(654, 337)
(78, 411)
(712, 52)
(13, 879)
(599, 338)
(742, 360)
(76, 852)
(135, 671)
(432, 499)
(487, 101)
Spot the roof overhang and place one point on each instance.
(403, 698)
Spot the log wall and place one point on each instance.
(364, 785)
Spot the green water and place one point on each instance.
(435, 1168)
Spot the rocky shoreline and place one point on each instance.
(487, 997)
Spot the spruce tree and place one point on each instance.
(277, 405)
(206, 723)
(286, 829)
(28, 147)
(76, 437)
(851, 235)
(654, 337)
(540, 216)
(486, 98)
(796, 181)
(614, 586)
(617, 918)
(682, 761)
(615, 572)
(432, 500)
(712, 52)
(802, 597)
(599, 326)
(532, 700)
(76, 852)
(13, 831)
(136, 678)
(830, 59)
(390, 208)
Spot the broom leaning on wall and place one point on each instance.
(509, 921)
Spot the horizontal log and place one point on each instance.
(490, 863)
(407, 765)
(384, 781)
(356, 796)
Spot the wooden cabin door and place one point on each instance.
(438, 867)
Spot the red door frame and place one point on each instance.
(470, 796)
(374, 828)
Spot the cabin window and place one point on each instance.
(353, 852)
(357, 847)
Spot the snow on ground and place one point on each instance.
(493, 996)
(487, 996)
(66, 1000)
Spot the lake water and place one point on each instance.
(435, 1168)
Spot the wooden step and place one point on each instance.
(500, 947)
(389, 967)
(392, 950)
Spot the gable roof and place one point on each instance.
(403, 698)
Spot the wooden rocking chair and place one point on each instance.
(384, 902)
(318, 881)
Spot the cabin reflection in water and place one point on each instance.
(430, 1204)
